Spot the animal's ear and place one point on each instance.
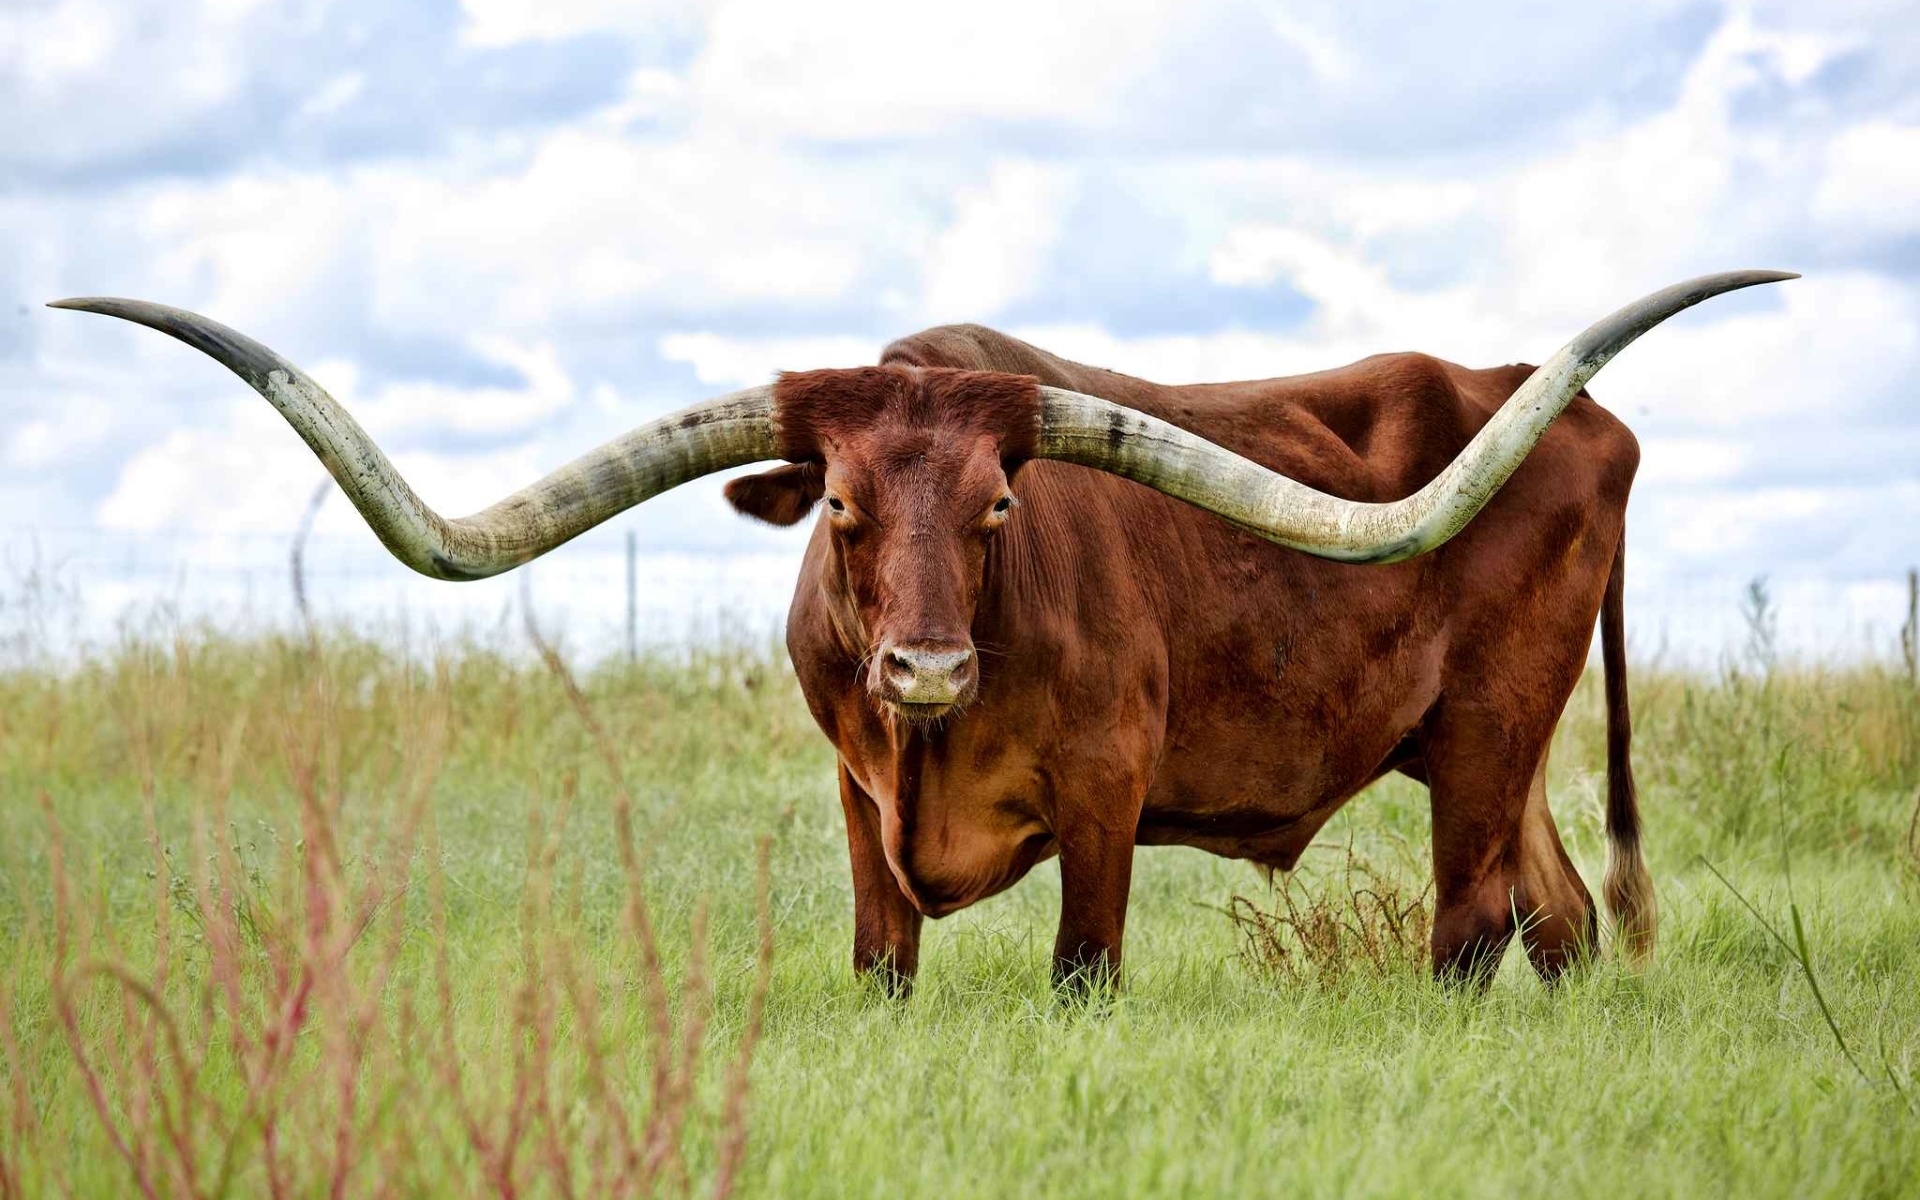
(782, 496)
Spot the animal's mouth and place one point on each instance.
(920, 712)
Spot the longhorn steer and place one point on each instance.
(1017, 656)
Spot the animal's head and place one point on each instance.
(915, 468)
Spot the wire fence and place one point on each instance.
(63, 589)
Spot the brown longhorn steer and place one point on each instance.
(1019, 651)
(1020, 659)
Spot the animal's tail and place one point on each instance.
(1628, 888)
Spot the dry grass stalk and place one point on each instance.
(1362, 919)
(21, 1124)
(1912, 858)
(281, 1000)
(267, 1043)
(657, 1157)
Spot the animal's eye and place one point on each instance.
(1003, 504)
(833, 502)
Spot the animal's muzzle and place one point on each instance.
(922, 673)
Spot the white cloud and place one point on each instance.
(1356, 299)
(235, 477)
(67, 40)
(99, 78)
(1872, 181)
(332, 96)
(411, 406)
(1687, 460)
(1328, 58)
(253, 474)
(583, 222)
(993, 252)
(80, 426)
(1751, 526)
(1828, 354)
(492, 23)
(858, 69)
(592, 220)
(258, 248)
(743, 362)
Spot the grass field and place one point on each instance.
(340, 920)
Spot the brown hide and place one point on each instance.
(1143, 672)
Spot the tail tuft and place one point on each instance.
(1628, 888)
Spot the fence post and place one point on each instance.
(633, 599)
(1910, 632)
(298, 559)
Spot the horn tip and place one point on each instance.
(112, 306)
(1727, 281)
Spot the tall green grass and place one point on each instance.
(435, 836)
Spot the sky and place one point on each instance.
(503, 231)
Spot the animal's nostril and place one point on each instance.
(928, 662)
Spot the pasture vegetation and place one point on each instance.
(279, 916)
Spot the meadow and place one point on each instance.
(341, 916)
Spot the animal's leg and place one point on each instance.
(1559, 924)
(1497, 857)
(1479, 773)
(1096, 873)
(886, 925)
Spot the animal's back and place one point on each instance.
(1377, 429)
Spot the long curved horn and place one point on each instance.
(727, 431)
(1097, 433)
